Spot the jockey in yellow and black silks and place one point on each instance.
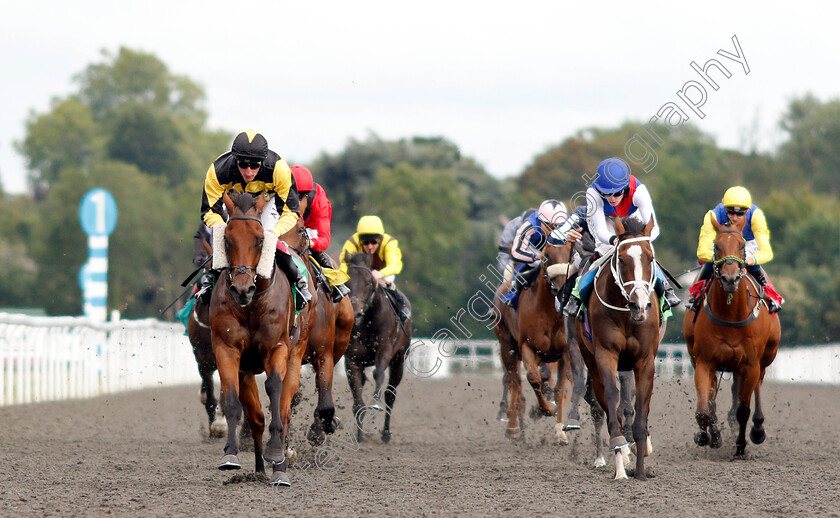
(251, 167)
(735, 205)
(386, 263)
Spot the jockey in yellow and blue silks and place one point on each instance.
(526, 250)
(386, 263)
(616, 193)
(735, 205)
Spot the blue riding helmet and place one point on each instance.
(613, 176)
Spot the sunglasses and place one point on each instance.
(249, 164)
(615, 194)
(733, 212)
(370, 241)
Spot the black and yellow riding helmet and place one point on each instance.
(250, 144)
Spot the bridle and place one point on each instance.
(636, 284)
(371, 282)
(234, 270)
(730, 259)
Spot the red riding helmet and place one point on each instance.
(303, 178)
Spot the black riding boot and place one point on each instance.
(760, 277)
(403, 307)
(287, 265)
(671, 298)
(205, 286)
(339, 291)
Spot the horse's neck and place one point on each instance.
(741, 303)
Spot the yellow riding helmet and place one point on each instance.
(370, 225)
(737, 197)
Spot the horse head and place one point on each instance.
(244, 237)
(558, 265)
(730, 254)
(633, 265)
(362, 284)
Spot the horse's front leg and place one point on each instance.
(227, 360)
(532, 372)
(383, 358)
(757, 434)
(578, 368)
(627, 395)
(608, 396)
(249, 394)
(563, 373)
(275, 388)
(355, 373)
(394, 378)
(597, 413)
(325, 411)
(749, 381)
(704, 377)
(644, 372)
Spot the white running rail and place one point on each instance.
(51, 358)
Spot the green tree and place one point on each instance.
(812, 152)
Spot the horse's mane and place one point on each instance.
(243, 200)
(632, 226)
(360, 259)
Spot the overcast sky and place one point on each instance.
(503, 80)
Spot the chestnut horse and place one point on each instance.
(734, 333)
(252, 320)
(625, 335)
(535, 335)
(379, 338)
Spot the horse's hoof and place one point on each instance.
(616, 443)
(218, 429)
(274, 455)
(386, 437)
(514, 434)
(701, 438)
(315, 437)
(571, 425)
(715, 441)
(229, 462)
(291, 454)
(757, 435)
(600, 462)
(280, 478)
(561, 434)
(502, 418)
(376, 406)
(535, 413)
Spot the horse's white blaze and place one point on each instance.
(620, 474)
(635, 252)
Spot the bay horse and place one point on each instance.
(625, 335)
(378, 339)
(252, 321)
(535, 336)
(733, 333)
(329, 336)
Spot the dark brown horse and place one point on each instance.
(535, 335)
(625, 332)
(733, 333)
(252, 319)
(379, 339)
(198, 330)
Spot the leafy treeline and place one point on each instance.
(138, 130)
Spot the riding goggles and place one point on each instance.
(248, 164)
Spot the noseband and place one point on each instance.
(645, 285)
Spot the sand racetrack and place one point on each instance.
(144, 453)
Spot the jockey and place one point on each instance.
(251, 167)
(528, 243)
(737, 205)
(370, 238)
(503, 258)
(317, 215)
(617, 193)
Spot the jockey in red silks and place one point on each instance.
(735, 205)
(316, 212)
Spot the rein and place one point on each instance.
(374, 286)
(646, 286)
(730, 259)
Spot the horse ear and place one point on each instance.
(260, 202)
(649, 227)
(228, 203)
(718, 226)
(619, 227)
